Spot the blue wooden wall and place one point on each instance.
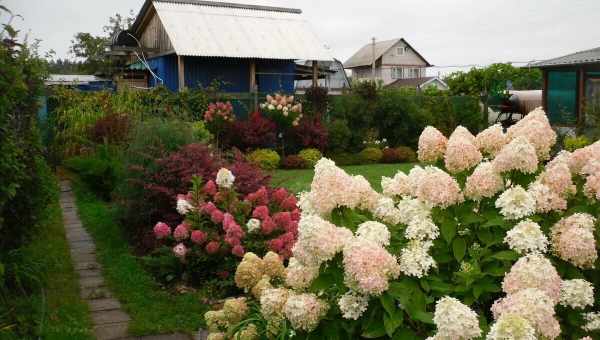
(234, 73)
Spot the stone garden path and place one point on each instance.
(109, 319)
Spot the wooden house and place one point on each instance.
(190, 43)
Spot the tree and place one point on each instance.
(90, 48)
(493, 79)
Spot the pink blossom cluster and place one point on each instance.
(533, 271)
(536, 128)
(518, 155)
(368, 266)
(461, 152)
(572, 239)
(220, 110)
(592, 183)
(332, 187)
(432, 145)
(484, 182)
(438, 188)
(491, 140)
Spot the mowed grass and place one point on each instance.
(299, 180)
(152, 309)
(54, 310)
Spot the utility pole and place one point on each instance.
(373, 57)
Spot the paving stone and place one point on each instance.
(95, 293)
(91, 282)
(82, 252)
(201, 335)
(111, 331)
(176, 336)
(79, 237)
(89, 273)
(82, 265)
(84, 258)
(83, 245)
(104, 304)
(109, 317)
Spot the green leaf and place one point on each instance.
(405, 334)
(459, 247)
(424, 317)
(506, 255)
(387, 301)
(495, 270)
(448, 230)
(493, 222)
(440, 286)
(375, 330)
(391, 323)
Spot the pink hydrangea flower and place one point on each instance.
(280, 195)
(260, 197)
(213, 247)
(217, 216)
(432, 145)
(182, 232)
(261, 212)
(491, 140)
(268, 226)
(161, 230)
(282, 219)
(438, 188)
(573, 240)
(208, 208)
(536, 128)
(290, 203)
(461, 154)
(238, 251)
(233, 241)
(198, 237)
(210, 188)
(484, 182)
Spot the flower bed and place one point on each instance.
(220, 225)
(485, 241)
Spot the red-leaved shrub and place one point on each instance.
(310, 133)
(112, 129)
(255, 132)
(293, 162)
(249, 177)
(390, 156)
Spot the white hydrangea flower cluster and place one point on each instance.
(397, 186)
(592, 320)
(318, 240)
(415, 259)
(374, 231)
(184, 206)
(511, 326)
(454, 320)
(527, 237)
(253, 225)
(576, 293)
(353, 305)
(225, 178)
(516, 203)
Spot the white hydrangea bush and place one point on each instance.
(490, 237)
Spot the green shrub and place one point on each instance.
(201, 133)
(266, 159)
(346, 158)
(310, 156)
(371, 155)
(577, 142)
(100, 170)
(339, 135)
(406, 154)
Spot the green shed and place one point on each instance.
(571, 86)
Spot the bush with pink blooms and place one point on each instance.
(491, 239)
(219, 225)
(218, 117)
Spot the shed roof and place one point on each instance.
(218, 29)
(72, 79)
(364, 56)
(577, 58)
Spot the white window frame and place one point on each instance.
(400, 50)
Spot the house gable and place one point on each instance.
(153, 35)
(409, 57)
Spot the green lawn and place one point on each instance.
(55, 310)
(153, 310)
(299, 180)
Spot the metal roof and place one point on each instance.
(71, 79)
(364, 56)
(415, 82)
(214, 29)
(583, 57)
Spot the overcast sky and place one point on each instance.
(446, 32)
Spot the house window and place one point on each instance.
(400, 50)
(396, 72)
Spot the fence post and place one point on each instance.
(486, 113)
